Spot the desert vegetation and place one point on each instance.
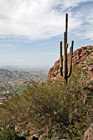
(54, 108)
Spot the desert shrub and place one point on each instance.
(8, 134)
(53, 107)
(57, 67)
(53, 74)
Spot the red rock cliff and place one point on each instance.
(79, 56)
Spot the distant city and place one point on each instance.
(15, 79)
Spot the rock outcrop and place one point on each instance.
(79, 56)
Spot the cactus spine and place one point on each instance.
(67, 69)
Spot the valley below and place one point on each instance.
(15, 81)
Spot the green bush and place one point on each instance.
(57, 67)
(55, 108)
(8, 134)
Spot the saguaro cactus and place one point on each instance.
(65, 69)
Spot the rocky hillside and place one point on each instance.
(82, 56)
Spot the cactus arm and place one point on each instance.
(66, 61)
(70, 59)
(61, 59)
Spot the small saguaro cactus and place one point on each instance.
(66, 69)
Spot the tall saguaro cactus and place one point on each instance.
(66, 69)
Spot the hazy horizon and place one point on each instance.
(25, 68)
(30, 31)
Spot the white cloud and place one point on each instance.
(21, 60)
(39, 19)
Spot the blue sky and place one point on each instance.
(30, 30)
